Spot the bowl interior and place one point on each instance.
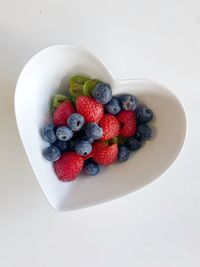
(47, 73)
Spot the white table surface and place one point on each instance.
(157, 226)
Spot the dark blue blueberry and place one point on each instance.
(75, 122)
(133, 144)
(83, 148)
(72, 143)
(89, 139)
(82, 136)
(80, 133)
(102, 93)
(51, 153)
(144, 114)
(91, 167)
(63, 146)
(113, 107)
(48, 133)
(144, 131)
(128, 102)
(137, 135)
(92, 130)
(64, 133)
(123, 153)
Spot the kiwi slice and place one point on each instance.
(76, 84)
(119, 140)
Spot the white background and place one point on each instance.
(157, 226)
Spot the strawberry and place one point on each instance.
(68, 166)
(110, 126)
(127, 119)
(89, 108)
(104, 154)
(62, 113)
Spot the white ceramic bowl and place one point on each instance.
(47, 73)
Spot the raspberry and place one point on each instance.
(127, 119)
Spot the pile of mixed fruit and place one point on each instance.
(90, 127)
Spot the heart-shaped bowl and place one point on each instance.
(46, 74)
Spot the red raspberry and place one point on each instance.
(104, 154)
(127, 119)
(62, 113)
(110, 126)
(89, 108)
(68, 166)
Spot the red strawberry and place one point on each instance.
(89, 108)
(110, 126)
(62, 113)
(104, 154)
(127, 119)
(68, 166)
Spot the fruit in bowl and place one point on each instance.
(91, 127)
(47, 74)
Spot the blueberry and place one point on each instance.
(82, 136)
(128, 102)
(102, 93)
(137, 136)
(72, 144)
(83, 148)
(113, 107)
(123, 153)
(63, 146)
(51, 153)
(64, 133)
(89, 139)
(91, 167)
(48, 133)
(75, 122)
(144, 131)
(92, 130)
(144, 114)
(133, 143)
